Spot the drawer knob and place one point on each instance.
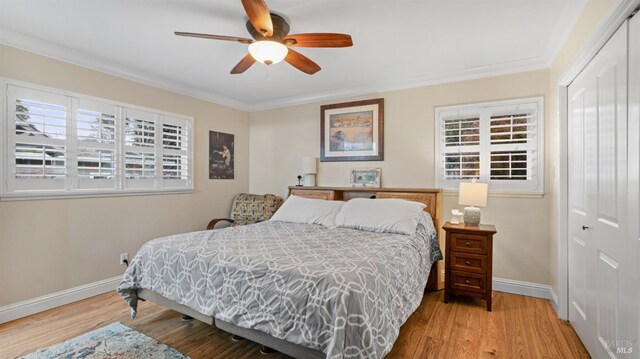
(467, 262)
(468, 244)
(467, 281)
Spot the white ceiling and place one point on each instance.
(397, 44)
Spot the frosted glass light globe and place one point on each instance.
(268, 52)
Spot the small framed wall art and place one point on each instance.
(365, 177)
(221, 155)
(352, 131)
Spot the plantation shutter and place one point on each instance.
(513, 147)
(37, 139)
(61, 144)
(498, 143)
(96, 155)
(176, 164)
(460, 146)
(140, 132)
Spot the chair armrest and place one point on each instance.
(215, 221)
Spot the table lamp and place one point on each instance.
(309, 170)
(473, 195)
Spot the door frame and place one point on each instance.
(622, 10)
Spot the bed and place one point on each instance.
(306, 290)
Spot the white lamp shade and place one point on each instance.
(309, 165)
(473, 194)
(268, 52)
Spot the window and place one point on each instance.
(500, 143)
(62, 144)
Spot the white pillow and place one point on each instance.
(381, 215)
(308, 210)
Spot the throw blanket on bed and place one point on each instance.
(342, 291)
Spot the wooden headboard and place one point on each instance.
(431, 197)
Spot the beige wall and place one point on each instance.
(52, 245)
(281, 137)
(47, 246)
(593, 14)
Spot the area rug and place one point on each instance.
(113, 341)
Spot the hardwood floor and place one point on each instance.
(518, 327)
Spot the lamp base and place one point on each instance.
(471, 216)
(309, 180)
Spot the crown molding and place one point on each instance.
(69, 55)
(530, 64)
(610, 23)
(72, 56)
(562, 30)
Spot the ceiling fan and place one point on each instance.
(271, 39)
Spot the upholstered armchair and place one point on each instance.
(250, 208)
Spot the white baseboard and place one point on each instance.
(40, 304)
(31, 306)
(522, 288)
(554, 300)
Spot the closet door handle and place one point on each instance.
(584, 228)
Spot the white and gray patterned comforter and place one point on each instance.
(345, 292)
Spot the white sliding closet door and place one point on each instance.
(603, 281)
(634, 159)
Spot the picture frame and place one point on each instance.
(221, 155)
(352, 131)
(365, 177)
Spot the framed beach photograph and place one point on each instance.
(221, 155)
(365, 177)
(352, 131)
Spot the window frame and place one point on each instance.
(484, 111)
(72, 188)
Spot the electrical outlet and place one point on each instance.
(124, 257)
(442, 275)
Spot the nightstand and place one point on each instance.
(468, 261)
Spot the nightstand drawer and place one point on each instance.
(469, 282)
(468, 262)
(468, 243)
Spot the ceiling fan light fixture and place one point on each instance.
(268, 52)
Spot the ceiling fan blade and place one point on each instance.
(259, 15)
(318, 40)
(243, 65)
(243, 40)
(301, 62)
